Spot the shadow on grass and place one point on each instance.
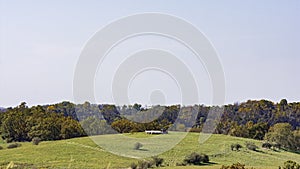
(209, 163)
(205, 164)
(275, 150)
(142, 149)
(260, 151)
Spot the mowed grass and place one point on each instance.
(85, 153)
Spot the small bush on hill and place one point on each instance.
(251, 146)
(133, 166)
(266, 145)
(196, 159)
(235, 166)
(235, 146)
(157, 161)
(276, 145)
(137, 146)
(290, 165)
(36, 141)
(1, 147)
(145, 164)
(13, 145)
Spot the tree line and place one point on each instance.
(251, 119)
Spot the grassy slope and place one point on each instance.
(84, 153)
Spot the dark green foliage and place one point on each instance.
(235, 166)
(36, 141)
(145, 164)
(276, 145)
(196, 159)
(251, 146)
(1, 147)
(133, 166)
(13, 145)
(205, 158)
(124, 125)
(193, 158)
(236, 147)
(259, 115)
(282, 134)
(290, 165)
(96, 126)
(70, 128)
(23, 123)
(267, 145)
(157, 161)
(251, 119)
(137, 146)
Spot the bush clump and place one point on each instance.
(236, 147)
(196, 159)
(266, 145)
(251, 146)
(276, 146)
(133, 166)
(290, 165)
(13, 145)
(1, 147)
(157, 161)
(36, 141)
(137, 146)
(235, 166)
(144, 164)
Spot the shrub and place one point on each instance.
(193, 158)
(235, 146)
(36, 141)
(290, 165)
(133, 166)
(251, 146)
(157, 161)
(137, 146)
(1, 147)
(205, 158)
(13, 145)
(144, 164)
(277, 145)
(196, 159)
(266, 145)
(235, 166)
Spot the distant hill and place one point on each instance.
(84, 153)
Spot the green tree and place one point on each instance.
(281, 133)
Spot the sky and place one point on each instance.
(257, 44)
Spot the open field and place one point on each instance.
(84, 153)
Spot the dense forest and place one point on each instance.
(262, 119)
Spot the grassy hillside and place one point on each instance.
(84, 153)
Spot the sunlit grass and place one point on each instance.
(84, 153)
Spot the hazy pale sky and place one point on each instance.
(258, 44)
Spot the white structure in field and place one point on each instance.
(156, 132)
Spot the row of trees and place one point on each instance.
(251, 119)
(23, 124)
